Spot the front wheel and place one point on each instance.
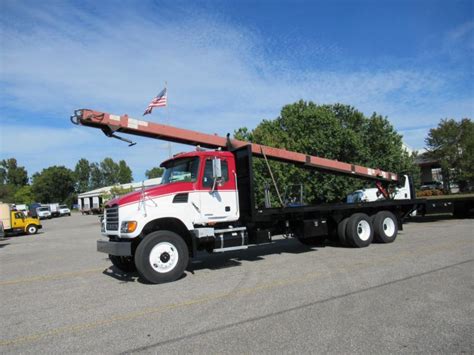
(124, 263)
(161, 257)
(31, 229)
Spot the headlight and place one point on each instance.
(128, 227)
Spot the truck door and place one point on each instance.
(18, 219)
(221, 204)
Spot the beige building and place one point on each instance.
(91, 202)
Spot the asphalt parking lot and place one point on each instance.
(416, 295)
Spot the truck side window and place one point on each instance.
(19, 215)
(207, 179)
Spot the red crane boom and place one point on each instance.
(110, 124)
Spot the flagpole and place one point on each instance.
(168, 117)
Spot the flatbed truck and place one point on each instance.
(206, 202)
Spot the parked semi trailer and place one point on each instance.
(206, 202)
(459, 205)
(54, 209)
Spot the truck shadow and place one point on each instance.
(120, 275)
(217, 261)
(126, 277)
(231, 259)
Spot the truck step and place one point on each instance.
(221, 250)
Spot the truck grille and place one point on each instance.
(112, 218)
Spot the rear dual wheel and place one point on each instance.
(355, 231)
(341, 231)
(359, 231)
(385, 227)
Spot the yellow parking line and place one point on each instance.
(49, 277)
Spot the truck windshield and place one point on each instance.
(181, 170)
(62, 206)
(43, 209)
(355, 197)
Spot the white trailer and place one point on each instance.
(54, 209)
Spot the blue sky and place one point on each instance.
(227, 63)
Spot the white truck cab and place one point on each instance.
(401, 192)
(64, 210)
(43, 213)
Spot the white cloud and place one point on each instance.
(63, 57)
(41, 147)
(462, 31)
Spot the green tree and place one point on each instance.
(53, 184)
(24, 195)
(96, 177)
(110, 171)
(82, 175)
(452, 144)
(114, 192)
(12, 174)
(124, 173)
(154, 172)
(330, 131)
(12, 178)
(7, 193)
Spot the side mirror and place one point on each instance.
(216, 173)
(216, 169)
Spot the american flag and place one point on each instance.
(158, 101)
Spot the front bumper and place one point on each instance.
(114, 248)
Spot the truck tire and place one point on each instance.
(341, 231)
(161, 257)
(31, 229)
(385, 227)
(123, 263)
(359, 230)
